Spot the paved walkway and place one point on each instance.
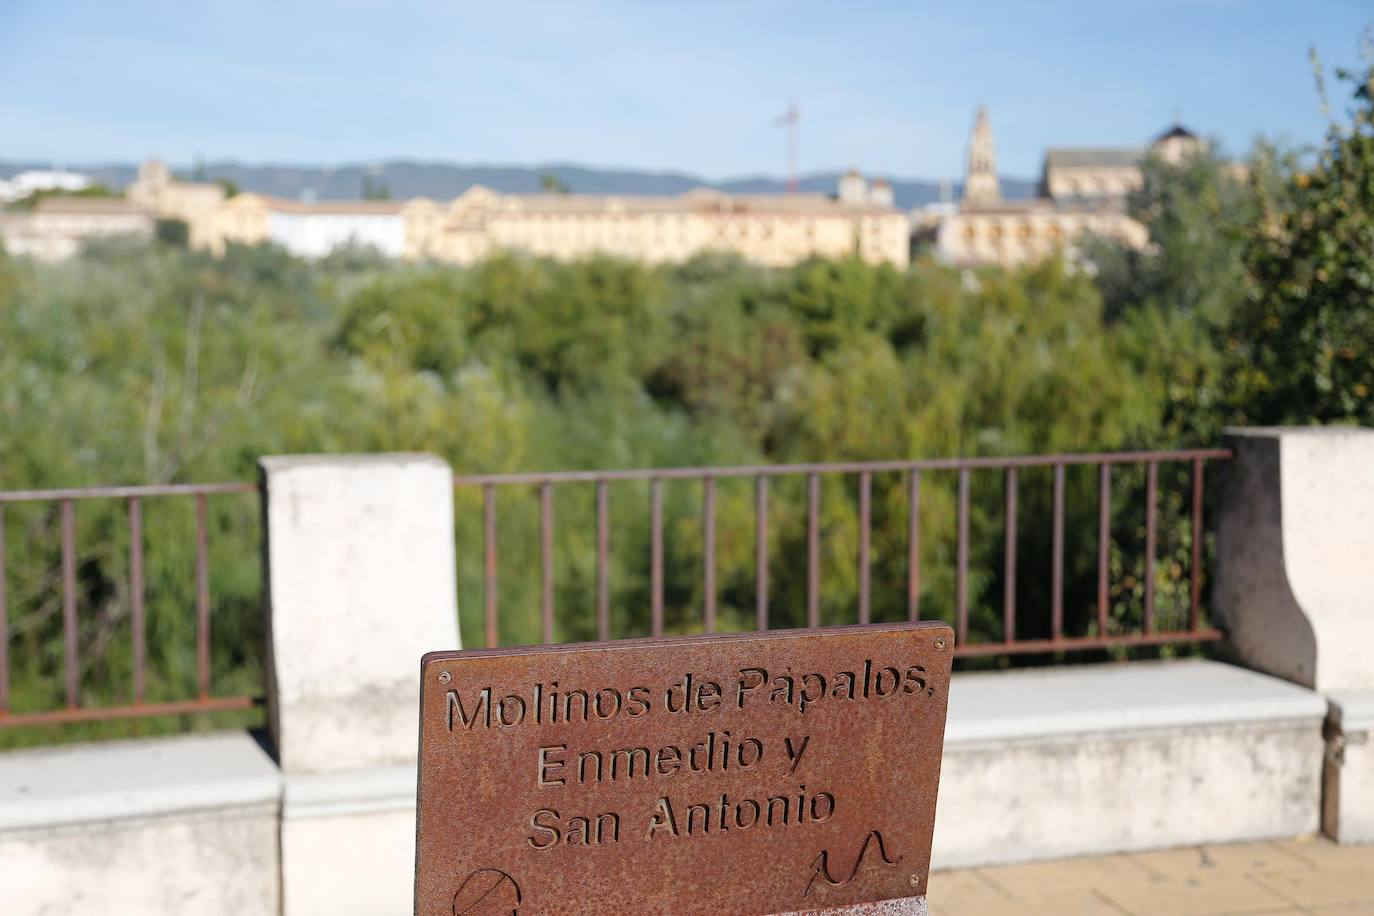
(1310, 876)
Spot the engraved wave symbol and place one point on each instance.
(821, 867)
(487, 891)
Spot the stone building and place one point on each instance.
(195, 203)
(1083, 190)
(312, 229)
(769, 229)
(57, 227)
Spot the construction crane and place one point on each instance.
(791, 119)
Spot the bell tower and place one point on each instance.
(981, 187)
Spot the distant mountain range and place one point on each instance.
(405, 179)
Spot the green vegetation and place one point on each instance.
(153, 363)
(31, 201)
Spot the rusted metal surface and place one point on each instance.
(4, 624)
(683, 775)
(813, 550)
(69, 634)
(1009, 560)
(961, 578)
(845, 467)
(1151, 549)
(72, 598)
(1104, 541)
(1057, 557)
(546, 562)
(708, 534)
(1057, 633)
(761, 553)
(913, 545)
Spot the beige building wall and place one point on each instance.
(1023, 234)
(58, 226)
(770, 229)
(195, 203)
(774, 230)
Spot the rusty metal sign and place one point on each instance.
(748, 774)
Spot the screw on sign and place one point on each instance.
(750, 774)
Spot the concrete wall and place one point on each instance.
(1295, 539)
(178, 825)
(361, 583)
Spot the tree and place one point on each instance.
(1301, 346)
(550, 183)
(172, 232)
(374, 188)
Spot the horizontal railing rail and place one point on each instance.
(139, 705)
(1056, 639)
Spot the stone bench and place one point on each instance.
(1096, 759)
(164, 825)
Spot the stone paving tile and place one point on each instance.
(1357, 908)
(1233, 858)
(1040, 878)
(1209, 896)
(1325, 853)
(1311, 877)
(1320, 886)
(1072, 903)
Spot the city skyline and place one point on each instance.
(888, 89)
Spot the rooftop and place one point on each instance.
(1093, 157)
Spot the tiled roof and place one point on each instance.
(1093, 157)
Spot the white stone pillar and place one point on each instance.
(361, 582)
(1295, 585)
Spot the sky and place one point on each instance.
(888, 87)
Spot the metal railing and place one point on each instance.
(74, 709)
(1054, 640)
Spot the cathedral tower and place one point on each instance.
(981, 187)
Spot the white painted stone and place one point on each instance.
(348, 842)
(361, 583)
(1064, 762)
(172, 825)
(1348, 802)
(1295, 537)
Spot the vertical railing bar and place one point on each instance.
(4, 624)
(1104, 540)
(546, 562)
(68, 513)
(961, 585)
(493, 635)
(136, 594)
(813, 550)
(1195, 606)
(865, 525)
(708, 551)
(202, 600)
(913, 545)
(1009, 566)
(761, 553)
(603, 561)
(656, 557)
(1057, 573)
(1151, 497)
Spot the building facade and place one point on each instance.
(769, 229)
(1083, 191)
(57, 227)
